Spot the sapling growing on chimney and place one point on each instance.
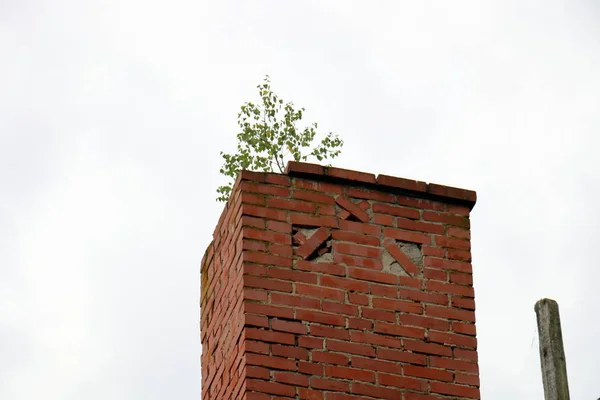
(270, 137)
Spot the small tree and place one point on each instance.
(269, 136)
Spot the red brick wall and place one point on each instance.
(330, 284)
(221, 308)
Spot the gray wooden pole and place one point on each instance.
(552, 353)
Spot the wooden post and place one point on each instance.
(552, 353)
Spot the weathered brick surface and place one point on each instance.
(330, 284)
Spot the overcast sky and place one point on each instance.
(113, 113)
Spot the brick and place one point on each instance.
(320, 291)
(455, 220)
(267, 236)
(257, 347)
(358, 238)
(397, 211)
(312, 243)
(452, 339)
(459, 255)
(398, 305)
(402, 183)
(462, 302)
(423, 297)
(313, 196)
(407, 236)
(257, 396)
(362, 262)
(428, 373)
(344, 283)
(253, 269)
(384, 290)
(258, 372)
(330, 358)
(470, 355)
(376, 391)
(270, 284)
(288, 204)
(310, 342)
(420, 203)
(349, 373)
(360, 227)
(312, 221)
(397, 330)
(325, 268)
(290, 378)
(288, 326)
(376, 365)
(256, 320)
(352, 208)
(351, 348)
(295, 301)
(289, 352)
(310, 394)
(270, 311)
(433, 251)
(283, 250)
(310, 368)
(452, 243)
(255, 199)
(448, 264)
(340, 396)
(466, 329)
(295, 168)
(402, 258)
(357, 250)
(459, 233)
(402, 382)
(361, 193)
(253, 222)
(455, 365)
(329, 332)
(254, 245)
(322, 318)
(266, 259)
(462, 279)
(401, 355)
(410, 225)
(291, 275)
(379, 315)
(425, 322)
(319, 186)
(427, 348)
(345, 309)
(322, 209)
(375, 339)
(385, 220)
(373, 276)
(329, 384)
(253, 294)
(270, 190)
(450, 288)
(455, 390)
(359, 299)
(269, 336)
(270, 387)
(450, 313)
(467, 379)
(270, 361)
(263, 212)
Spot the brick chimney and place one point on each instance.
(330, 284)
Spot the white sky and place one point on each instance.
(113, 113)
